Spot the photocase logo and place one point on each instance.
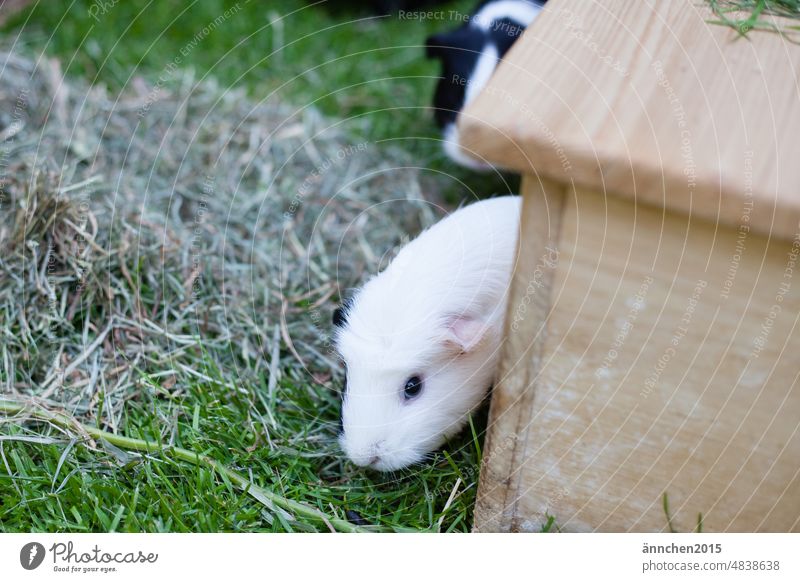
(31, 555)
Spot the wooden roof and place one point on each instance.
(649, 100)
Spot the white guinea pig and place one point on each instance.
(469, 56)
(421, 340)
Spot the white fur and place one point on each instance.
(436, 311)
(484, 67)
(451, 143)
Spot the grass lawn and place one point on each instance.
(208, 370)
(369, 71)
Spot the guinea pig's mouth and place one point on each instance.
(378, 457)
(385, 464)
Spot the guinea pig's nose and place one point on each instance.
(363, 455)
(376, 453)
(371, 456)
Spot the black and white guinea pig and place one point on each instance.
(469, 56)
(421, 340)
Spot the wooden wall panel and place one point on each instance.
(664, 360)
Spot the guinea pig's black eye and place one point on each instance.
(413, 387)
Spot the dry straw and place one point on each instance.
(144, 233)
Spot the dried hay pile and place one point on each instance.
(161, 233)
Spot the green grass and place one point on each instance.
(748, 15)
(211, 396)
(668, 516)
(65, 482)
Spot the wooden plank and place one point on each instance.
(649, 101)
(669, 366)
(512, 397)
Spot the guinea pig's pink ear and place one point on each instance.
(465, 332)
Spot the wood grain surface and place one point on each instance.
(657, 354)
